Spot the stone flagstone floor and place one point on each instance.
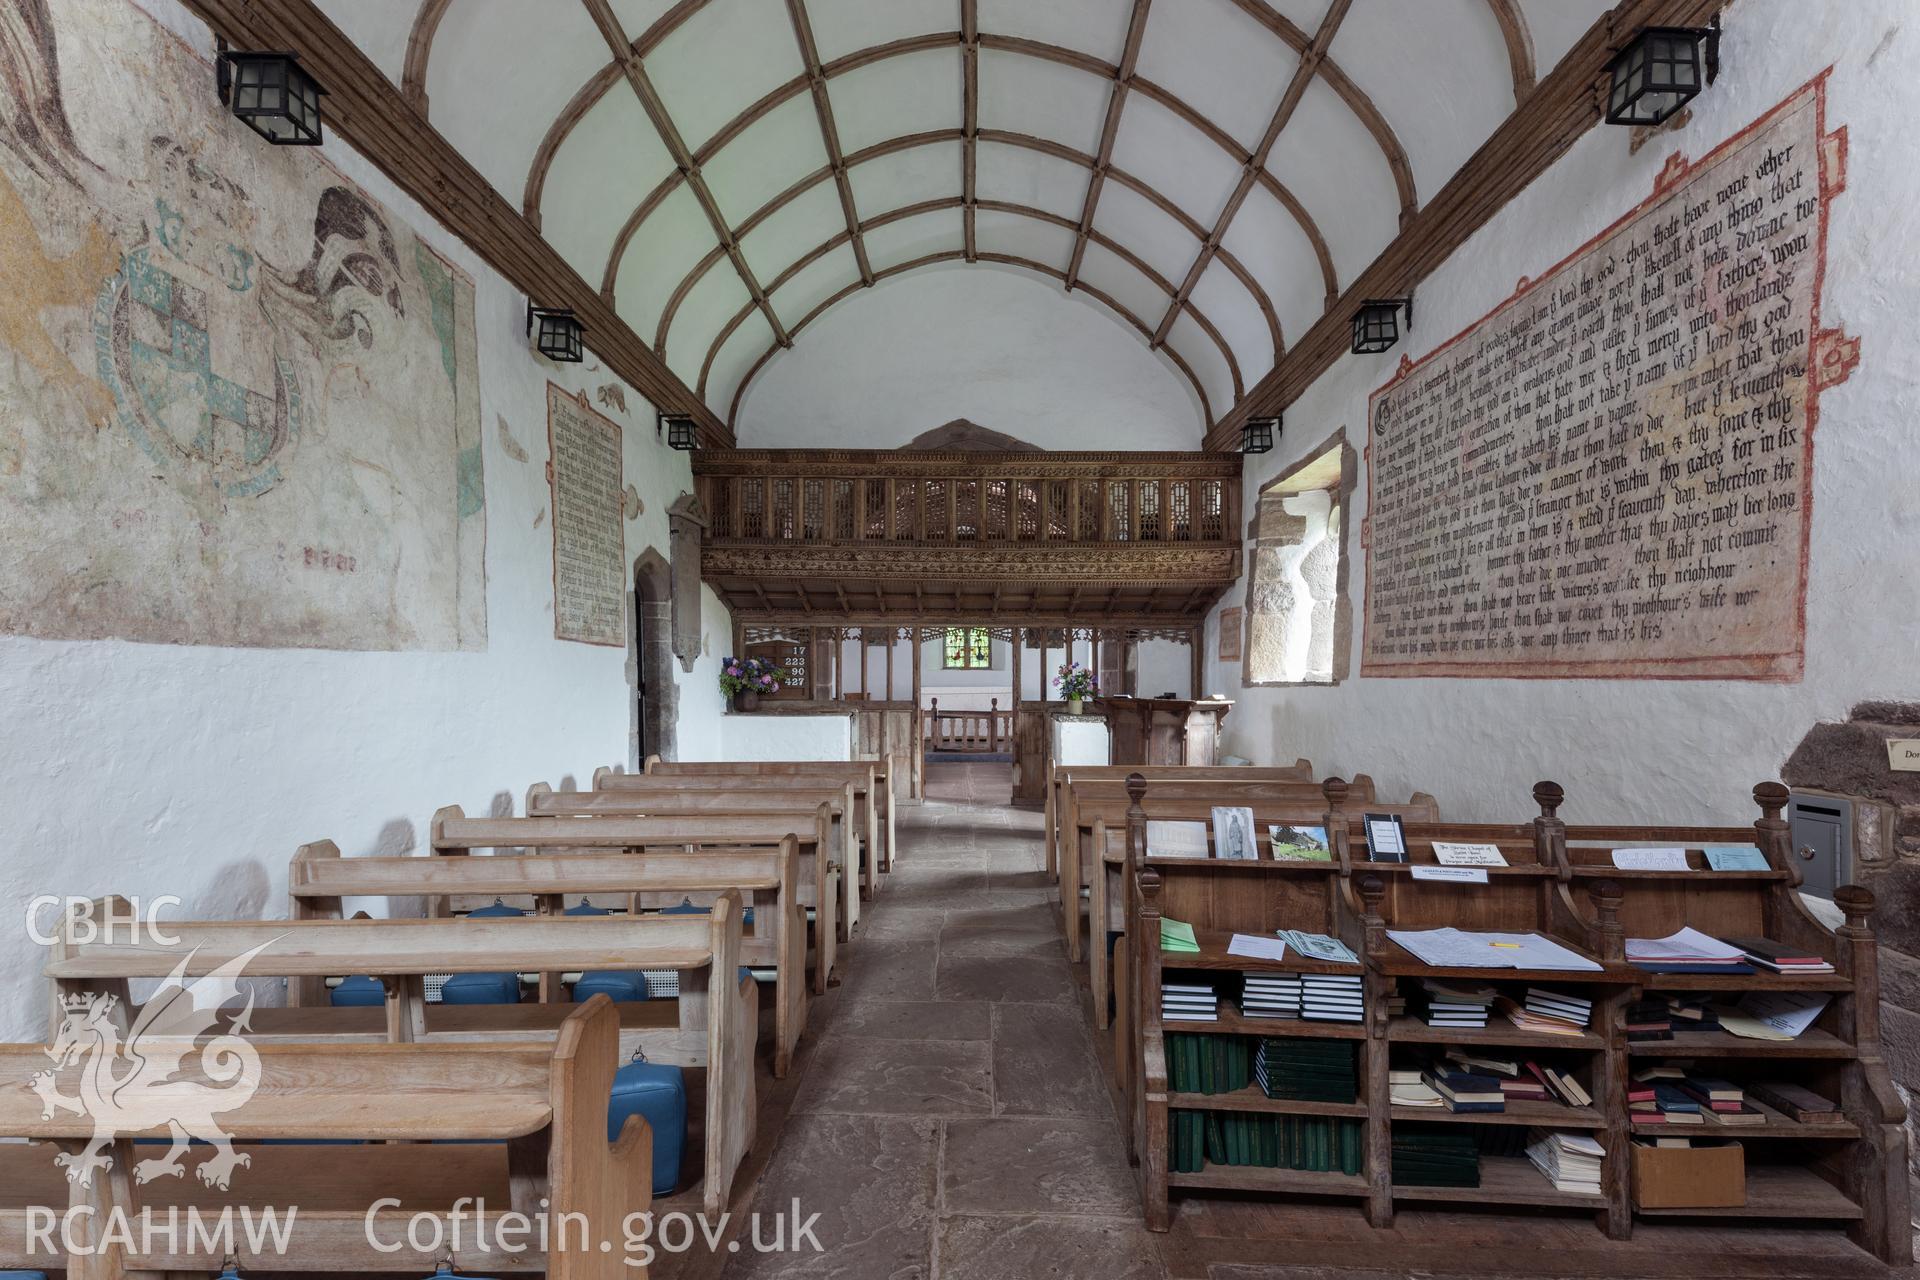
(951, 1125)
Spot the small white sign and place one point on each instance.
(1650, 859)
(1468, 855)
(1456, 875)
(1903, 755)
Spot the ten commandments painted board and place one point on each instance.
(1609, 475)
(589, 549)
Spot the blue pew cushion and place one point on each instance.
(657, 1093)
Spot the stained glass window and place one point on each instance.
(968, 647)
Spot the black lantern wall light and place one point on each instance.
(1376, 325)
(679, 431)
(1660, 71)
(271, 94)
(556, 333)
(1258, 435)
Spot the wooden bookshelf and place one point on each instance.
(1497, 1032)
(1220, 1177)
(1505, 1180)
(1252, 1099)
(1559, 883)
(1550, 1115)
(1779, 1191)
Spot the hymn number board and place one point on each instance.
(791, 655)
(1609, 475)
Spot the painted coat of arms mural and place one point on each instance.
(239, 400)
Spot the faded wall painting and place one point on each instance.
(1609, 475)
(239, 400)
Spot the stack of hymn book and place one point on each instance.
(1188, 1002)
(1317, 1144)
(1570, 1161)
(1549, 1012)
(1269, 995)
(1330, 997)
(1796, 1103)
(1198, 1062)
(1648, 1019)
(1306, 1070)
(1492, 1082)
(1675, 1095)
(1407, 1087)
(1464, 1091)
(1780, 958)
(1436, 1156)
(1451, 1004)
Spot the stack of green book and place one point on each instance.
(1436, 1156)
(1314, 1144)
(1306, 1069)
(1204, 1063)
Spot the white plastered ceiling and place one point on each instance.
(1101, 145)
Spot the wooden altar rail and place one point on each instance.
(811, 496)
(976, 732)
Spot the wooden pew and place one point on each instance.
(873, 777)
(640, 796)
(455, 833)
(529, 1123)
(767, 880)
(1087, 802)
(717, 1014)
(1063, 776)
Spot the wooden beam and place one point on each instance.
(623, 53)
(413, 76)
(1303, 75)
(829, 133)
(1563, 106)
(369, 113)
(1109, 130)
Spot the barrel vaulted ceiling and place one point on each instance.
(1213, 172)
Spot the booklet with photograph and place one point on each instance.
(1233, 834)
(1298, 844)
(1386, 838)
(1176, 839)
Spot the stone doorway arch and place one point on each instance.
(655, 696)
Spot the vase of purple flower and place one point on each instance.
(744, 680)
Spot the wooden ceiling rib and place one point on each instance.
(1038, 49)
(1562, 107)
(1519, 41)
(829, 137)
(650, 101)
(996, 206)
(413, 77)
(1109, 132)
(374, 116)
(969, 121)
(1303, 75)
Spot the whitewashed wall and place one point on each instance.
(786, 737)
(157, 769)
(1660, 749)
(996, 345)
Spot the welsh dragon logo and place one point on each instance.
(169, 1073)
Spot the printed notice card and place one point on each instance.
(1448, 854)
(1736, 857)
(1650, 859)
(1176, 839)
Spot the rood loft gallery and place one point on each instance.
(1169, 639)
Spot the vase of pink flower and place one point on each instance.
(1076, 685)
(744, 680)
